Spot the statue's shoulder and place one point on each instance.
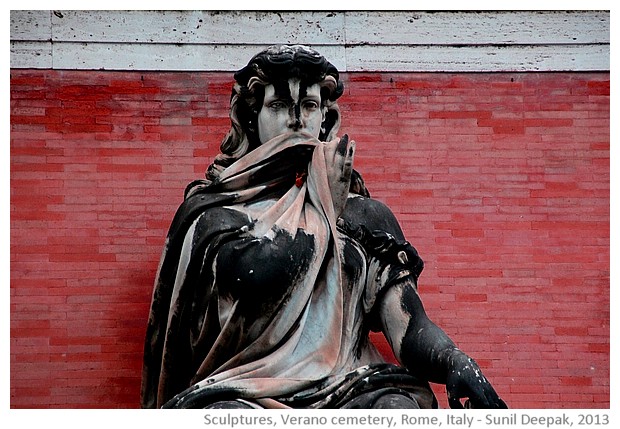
(206, 211)
(372, 214)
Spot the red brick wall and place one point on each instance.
(500, 180)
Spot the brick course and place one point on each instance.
(500, 180)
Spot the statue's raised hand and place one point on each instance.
(339, 159)
(466, 381)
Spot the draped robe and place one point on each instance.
(263, 295)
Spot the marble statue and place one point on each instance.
(278, 265)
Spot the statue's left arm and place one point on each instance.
(428, 352)
(418, 344)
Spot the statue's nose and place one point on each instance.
(294, 120)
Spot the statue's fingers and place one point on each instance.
(333, 156)
(494, 400)
(341, 147)
(454, 398)
(337, 154)
(347, 167)
(455, 403)
(339, 157)
(479, 402)
(487, 398)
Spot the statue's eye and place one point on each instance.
(277, 105)
(311, 105)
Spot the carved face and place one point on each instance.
(290, 106)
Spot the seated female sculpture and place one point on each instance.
(279, 264)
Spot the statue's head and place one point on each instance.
(282, 88)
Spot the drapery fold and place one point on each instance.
(214, 333)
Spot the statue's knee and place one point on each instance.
(383, 399)
(391, 401)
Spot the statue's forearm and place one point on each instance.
(422, 347)
(427, 351)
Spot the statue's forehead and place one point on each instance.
(293, 89)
